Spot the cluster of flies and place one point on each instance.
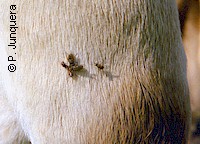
(74, 66)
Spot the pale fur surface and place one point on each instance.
(141, 96)
(10, 128)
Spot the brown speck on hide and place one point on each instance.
(99, 66)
